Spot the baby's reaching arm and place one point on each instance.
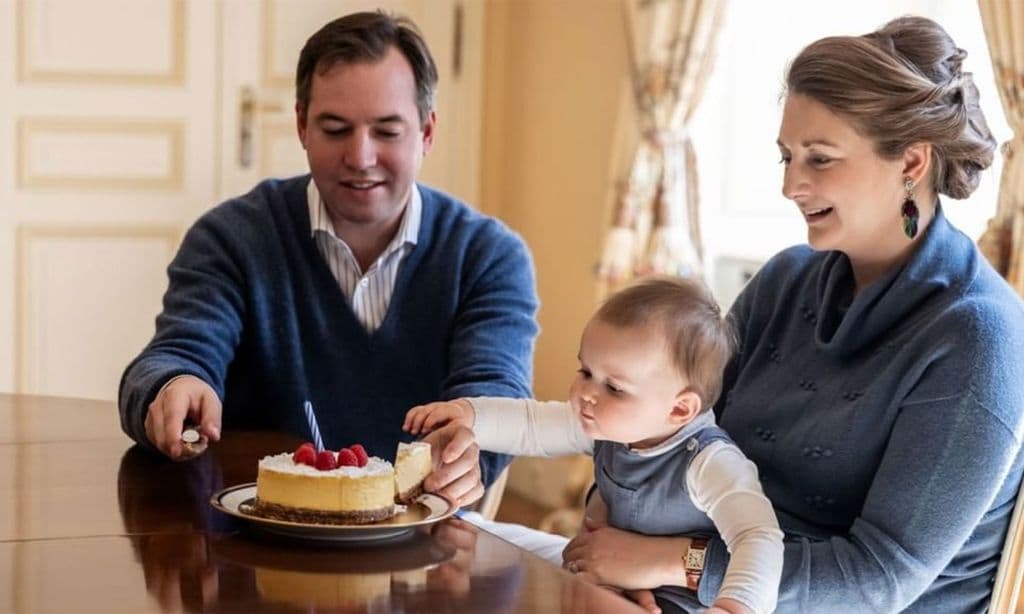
(424, 418)
(524, 427)
(724, 484)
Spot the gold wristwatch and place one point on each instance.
(693, 562)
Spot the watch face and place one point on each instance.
(695, 558)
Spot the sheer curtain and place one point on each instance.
(655, 227)
(1003, 241)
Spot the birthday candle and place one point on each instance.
(318, 442)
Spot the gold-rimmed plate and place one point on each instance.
(425, 510)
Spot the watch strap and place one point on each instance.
(693, 562)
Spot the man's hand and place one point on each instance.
(425, 418)
(185, 399)
(452, 577)
(456, 459)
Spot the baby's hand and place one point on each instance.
(425, 418)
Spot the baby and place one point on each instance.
(651, 363)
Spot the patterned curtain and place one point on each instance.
(656, 227)
(1003, 240)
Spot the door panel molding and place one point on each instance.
(35, 372)
(164, 138)
(30, 71)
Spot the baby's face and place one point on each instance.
(626, 386)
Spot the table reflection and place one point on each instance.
(179, 572)
(91, 526)
(168, 521)
(193, 557)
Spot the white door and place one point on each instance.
(261, 48)
(106, 138)
(120, 123)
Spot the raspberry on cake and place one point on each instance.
(347, 487)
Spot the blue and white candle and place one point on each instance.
(314, 430)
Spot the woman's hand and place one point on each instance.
(645, 599)
(625, 560)
(596, 512)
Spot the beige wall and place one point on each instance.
(554, 76)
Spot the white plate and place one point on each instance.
(427, 509)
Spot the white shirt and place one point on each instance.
(369, 293)
(722, 483)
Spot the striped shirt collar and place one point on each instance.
(408, 231)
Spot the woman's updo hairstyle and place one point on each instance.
(900, 85)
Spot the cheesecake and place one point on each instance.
(347, 487)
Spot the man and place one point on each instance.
(352, 288)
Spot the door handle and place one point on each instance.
(248, 107)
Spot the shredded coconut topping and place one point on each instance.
(283, 463)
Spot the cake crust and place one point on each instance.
(410, 495)
(309, 516)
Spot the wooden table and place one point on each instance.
(88, 522)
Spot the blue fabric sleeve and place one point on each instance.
(197, 331)
(924, 504)
(491, 352)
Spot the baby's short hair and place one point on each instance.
(698, 339)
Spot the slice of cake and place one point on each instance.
(347, 487)
(412, 465)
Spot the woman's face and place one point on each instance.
(849, 196)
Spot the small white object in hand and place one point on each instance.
(192, 442)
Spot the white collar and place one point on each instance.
(408, 230)
(702, 420)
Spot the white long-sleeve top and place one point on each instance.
(721, 481)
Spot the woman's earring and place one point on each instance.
(909, 210)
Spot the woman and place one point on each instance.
(878, 386)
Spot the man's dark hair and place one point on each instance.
(367, 37)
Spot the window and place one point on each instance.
(744, 216)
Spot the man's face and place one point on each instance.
(364, 140)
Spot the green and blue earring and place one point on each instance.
(909, 210)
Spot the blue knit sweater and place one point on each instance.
(886, 427)
(252, 309)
